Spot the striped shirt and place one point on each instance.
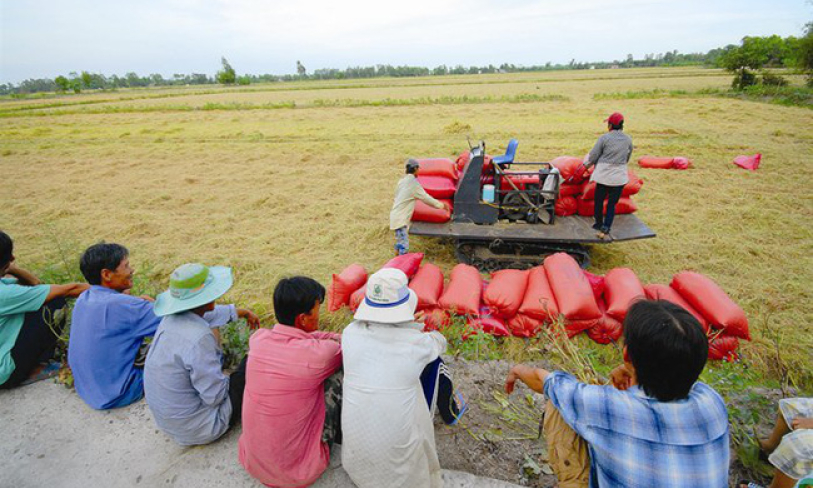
(636, 441)
(610, 155)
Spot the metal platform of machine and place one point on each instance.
(572, 230)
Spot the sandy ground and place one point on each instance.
(51, 438)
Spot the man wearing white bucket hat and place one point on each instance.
(190, 397)
(388, 437)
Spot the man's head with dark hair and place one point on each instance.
(618, 126)
(107, 265)
(667, 347)
(6, 252)
(297, 301)
(412, 167)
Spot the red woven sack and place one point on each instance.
(356, 298)
(723, 347)
(712, 302)
(435, 319)
(505, 292)
(539, 302)
(750, 163)
(462, 294)
(438, 186)
(607, 329)
(567, 166)
(438, 167)
(488, 323)
(631, 188)
(597, 283)
(428, 285)
(573, 293)
(570, 189)
(565, 206)
(409, 263)
(625, 205)
(622, 289)
(524, 326)
(343, 285)
(655, 162)
(664, 292)
(425, 213)
(681, 163)
(520, 181)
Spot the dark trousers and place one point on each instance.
(237, 385)
(605, 222)
(36, 342)
(436, 377)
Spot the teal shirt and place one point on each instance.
(15, 301)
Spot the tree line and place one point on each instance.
(751, 57)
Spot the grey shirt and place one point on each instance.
(184, 384)
(610, 155)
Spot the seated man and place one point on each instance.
(190, 397)
(31, 316)
(108, 329)
(291, 409)
(656, 426)
(389, 438)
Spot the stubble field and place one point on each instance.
(298, 178)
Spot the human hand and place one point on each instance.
(622, 377)
(251, 317)
(510, 381)
(146, 297)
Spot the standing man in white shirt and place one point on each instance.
(406, 192)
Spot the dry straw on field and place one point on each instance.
(305, 184)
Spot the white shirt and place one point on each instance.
(388, 437)
(406, 192)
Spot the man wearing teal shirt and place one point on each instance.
(27, 307)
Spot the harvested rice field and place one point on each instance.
(298, 178)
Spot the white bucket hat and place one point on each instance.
(387, 299)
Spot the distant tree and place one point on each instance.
(244, 80)
(300, 69)
(805, 53)
(226, 76)
(87, 79)
(62, 83)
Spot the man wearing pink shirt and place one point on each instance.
(292, 400)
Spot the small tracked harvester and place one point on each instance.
(512, 224)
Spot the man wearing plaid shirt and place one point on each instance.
(656, 426)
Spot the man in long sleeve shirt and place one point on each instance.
(407, 191)
(190, 397)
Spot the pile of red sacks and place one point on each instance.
(577, 193)
(520, 303)
(438, 177)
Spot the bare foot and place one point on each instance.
(802, 423)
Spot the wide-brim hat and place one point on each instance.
(192, 285)
(387, 298)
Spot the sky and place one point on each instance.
(46, 38)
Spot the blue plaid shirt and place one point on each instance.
(636, 441)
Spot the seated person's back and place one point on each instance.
(655, 426)
(291, 374)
